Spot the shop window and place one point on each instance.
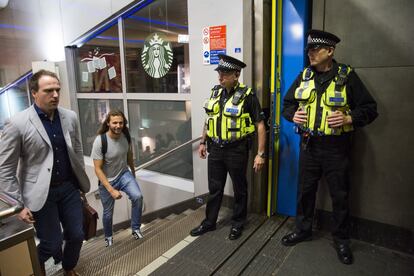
(4, 110)
(17, 97)
(13, 100)
(91, 115)
(157, 127)
(155, 43)
(99, 63)
(156, 48)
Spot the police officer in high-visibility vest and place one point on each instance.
(326, 102)
(233, 116)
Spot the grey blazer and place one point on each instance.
(26, 156)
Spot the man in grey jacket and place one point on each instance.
(41, 164)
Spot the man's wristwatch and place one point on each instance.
(202, 142)
(261, 154)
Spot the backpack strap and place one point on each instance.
(104, 147)
(128, 137)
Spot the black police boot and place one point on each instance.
(344, 253)
(296, 237)
(200, 230)
(235, 232)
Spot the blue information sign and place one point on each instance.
(214, 59)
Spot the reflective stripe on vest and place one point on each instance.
(235, 123)
(334, 98)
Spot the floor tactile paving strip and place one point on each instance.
(272, 256)
(207, 253)
(242, 257)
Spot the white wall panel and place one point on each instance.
(117, 5)
(51, 34)
(79, 16)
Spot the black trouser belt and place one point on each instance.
(228, 144)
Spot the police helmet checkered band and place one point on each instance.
(318, 37)
(320, 41)
(228, 63)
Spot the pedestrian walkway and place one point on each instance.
(318, 257)
(166, 249)
(259, 252)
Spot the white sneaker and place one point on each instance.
(109, 241)
(137, 234)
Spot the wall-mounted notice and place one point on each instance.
(214, 43)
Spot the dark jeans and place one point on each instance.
(63, 206)
(327, 156)
(232, 160)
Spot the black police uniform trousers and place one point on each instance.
(232, 159)
(326, 156)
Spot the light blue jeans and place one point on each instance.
(126, 183)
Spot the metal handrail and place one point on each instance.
(13, 205)
(164, 155)
(158, 158)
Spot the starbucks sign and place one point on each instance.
(157, 56)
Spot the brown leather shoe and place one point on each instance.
(71, 273)
(42, 269)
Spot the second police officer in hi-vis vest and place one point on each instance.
(233, 116)
(327, 102)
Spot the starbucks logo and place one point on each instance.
(157, 56)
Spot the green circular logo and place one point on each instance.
(157, 56)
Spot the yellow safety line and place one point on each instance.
(278, 103)
(272, 90)
(275, 85)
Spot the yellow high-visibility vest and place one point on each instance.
(334, 98)
(232, 120)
